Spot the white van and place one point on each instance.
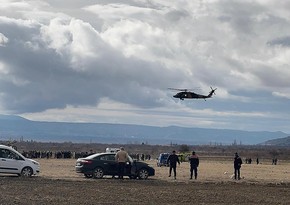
(12, 162)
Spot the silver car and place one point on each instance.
(12, 162)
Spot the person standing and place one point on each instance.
(121, 157)
(194, 162)
(237, 166)
(172, 160)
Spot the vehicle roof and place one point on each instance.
(5, 146)
(112, 150)
(98, 154)
(166, 153)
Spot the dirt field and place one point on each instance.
(59, 184)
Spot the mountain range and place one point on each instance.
(18, 128)
(279, 142)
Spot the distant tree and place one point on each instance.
(274, 153)
(184, 148)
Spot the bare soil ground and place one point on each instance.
(59, 184)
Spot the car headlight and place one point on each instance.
(36, 163)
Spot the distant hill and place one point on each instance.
(15, 127)
(279, 142)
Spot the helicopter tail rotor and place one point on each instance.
(212, 92)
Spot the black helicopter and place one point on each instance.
(191, 95)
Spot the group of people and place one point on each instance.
(122, 156)
(173, 159)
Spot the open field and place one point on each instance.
(209, 171)
(59, 184)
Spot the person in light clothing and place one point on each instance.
(121, 157)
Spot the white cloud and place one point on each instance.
(118, 11)
(3, 40)
(282, 95)
(14, 4)
(3, 69)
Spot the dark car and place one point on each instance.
(101, 164)
(162, 159)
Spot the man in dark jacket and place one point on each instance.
(172, 160)
(237, 166)
(194, 162)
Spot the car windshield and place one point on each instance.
(8, 154)
(164, 156)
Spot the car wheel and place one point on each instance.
(98, 173)
(26, 172)
(88, 175)
(143, 174)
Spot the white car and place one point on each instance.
(12, 162)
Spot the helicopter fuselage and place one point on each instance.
(184, 95)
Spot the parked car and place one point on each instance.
(112, 150)
(101, 164)
(12, 162)
(162, 159)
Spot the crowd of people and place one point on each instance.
(74, 155)
(56, 155)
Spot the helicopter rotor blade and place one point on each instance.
(177, 89)
(184, 90)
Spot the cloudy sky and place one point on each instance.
(112, 61)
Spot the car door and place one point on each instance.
(109, 164)
(10, 162)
